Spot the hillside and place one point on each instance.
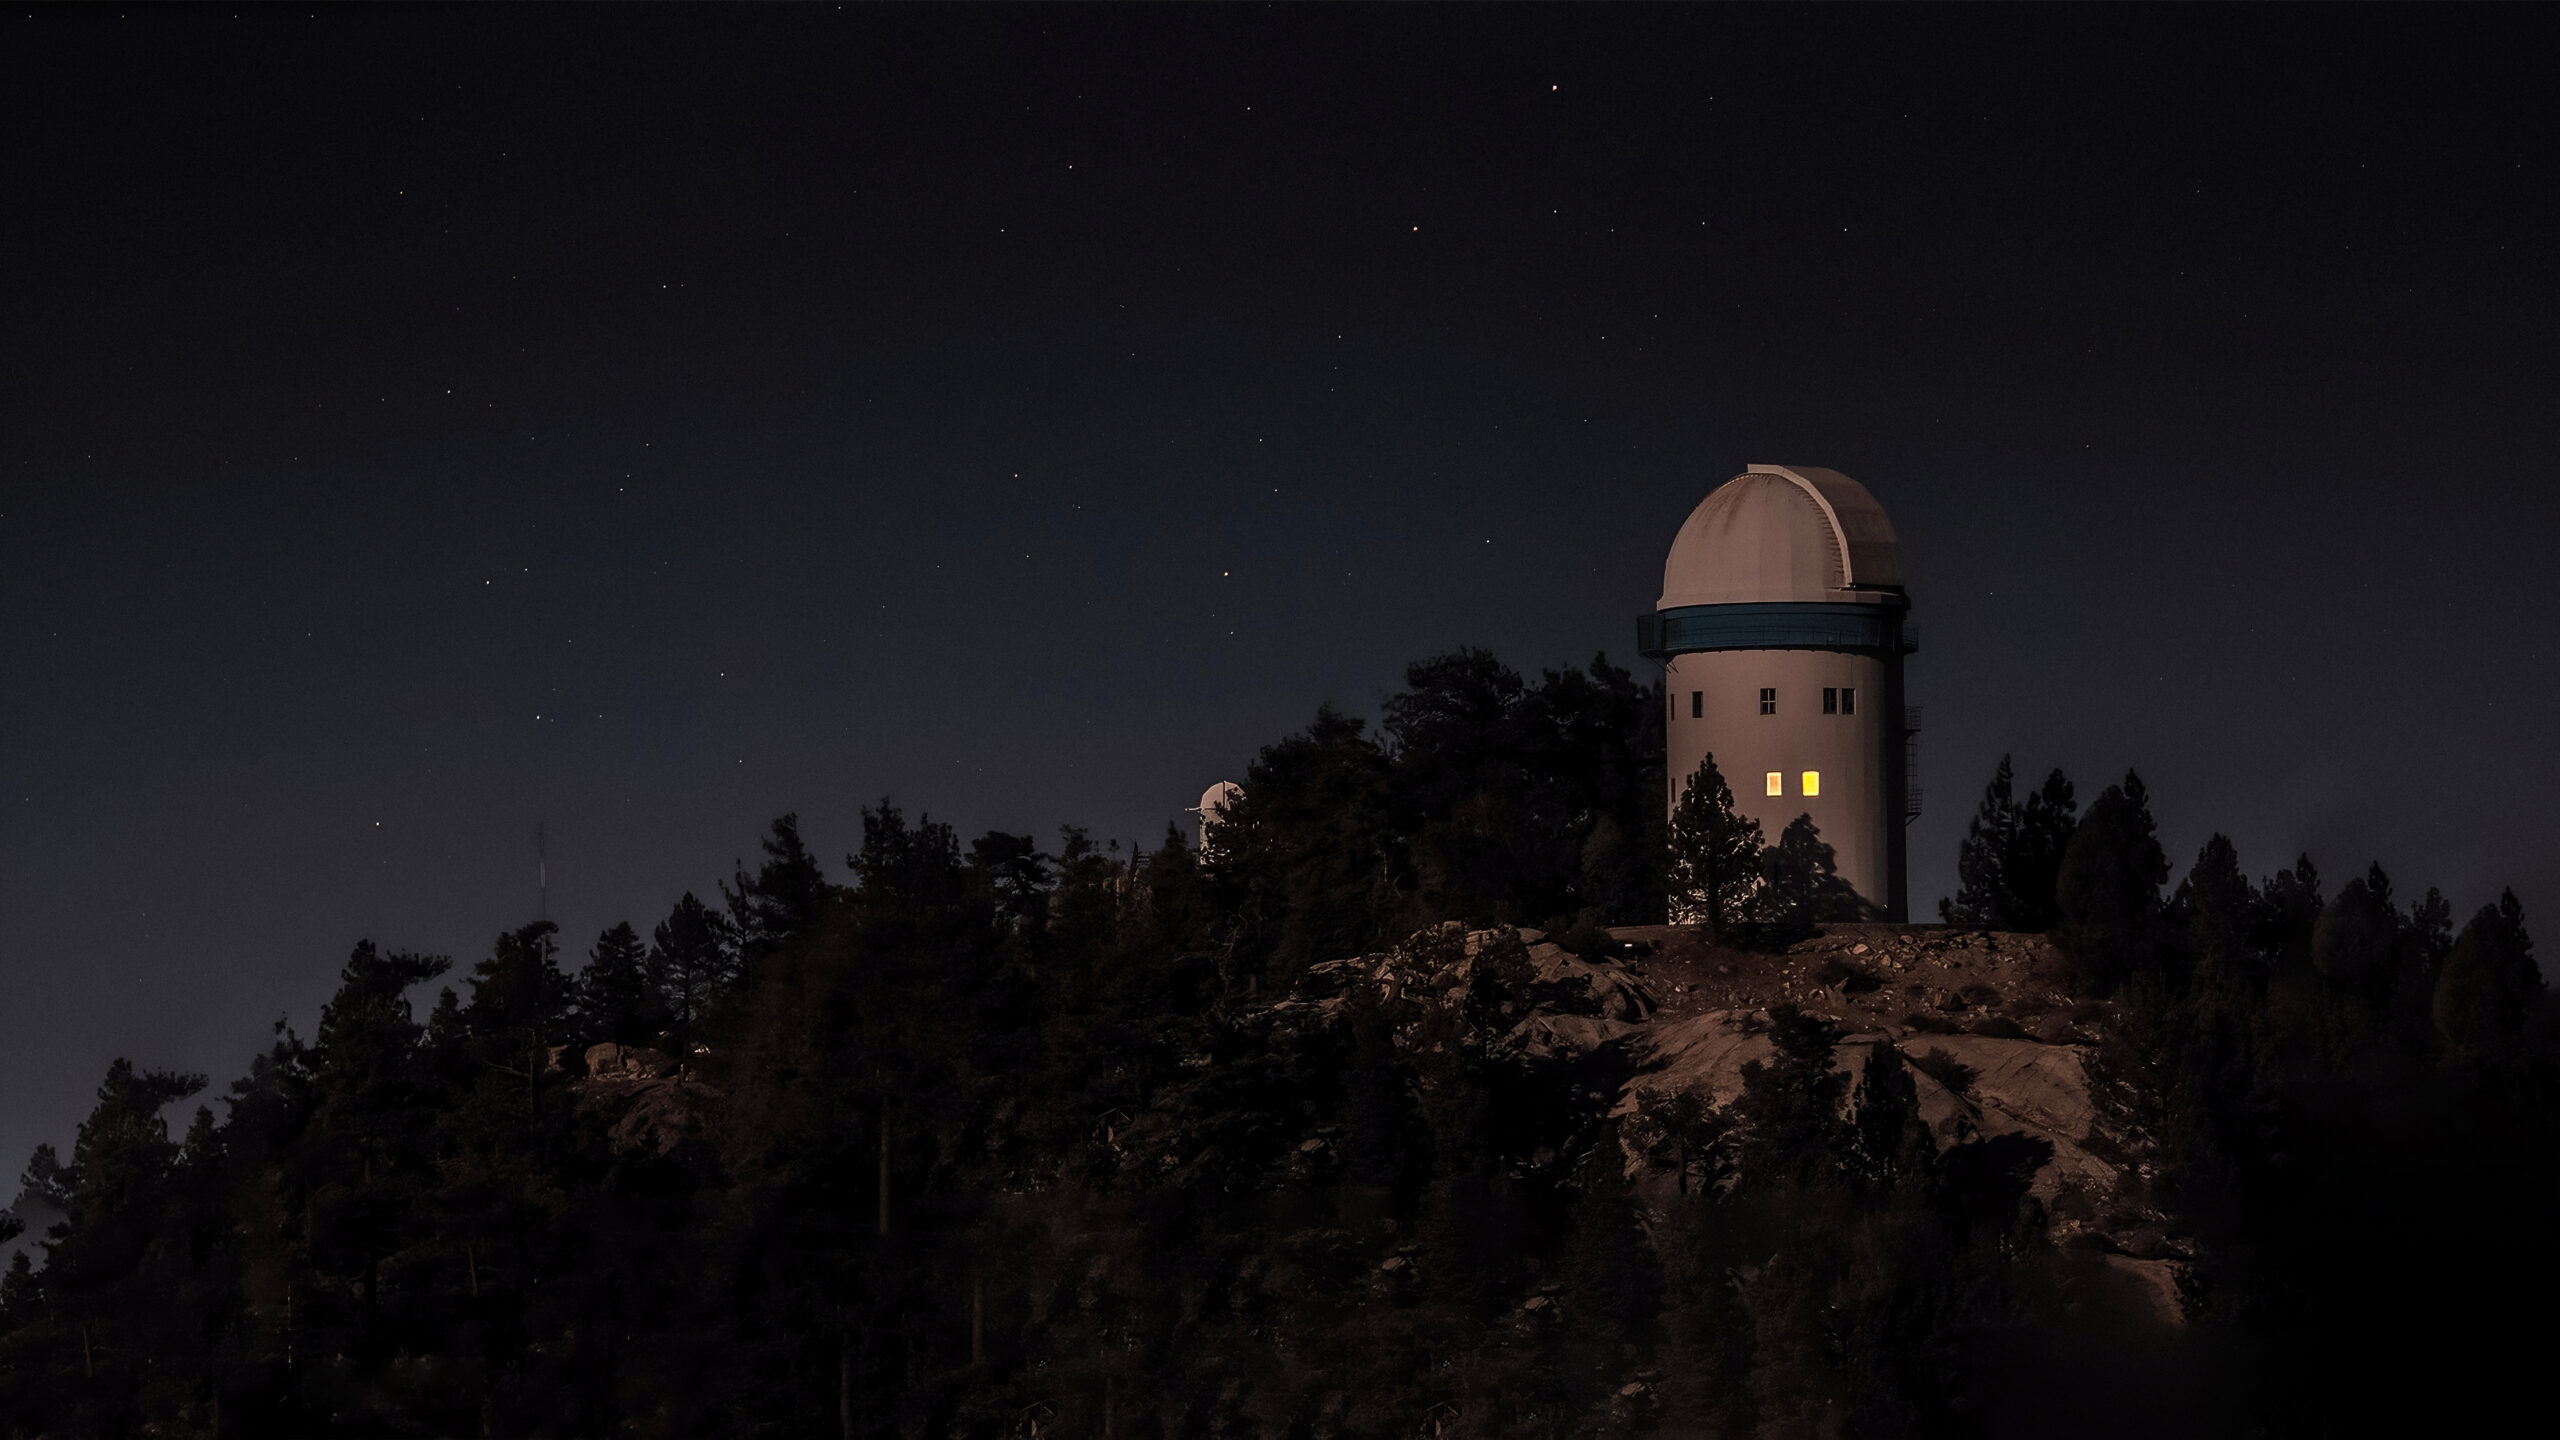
(1381, 1117)
(1995, 1043)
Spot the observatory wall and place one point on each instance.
(1715, 704)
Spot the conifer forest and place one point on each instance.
(1354, 1122)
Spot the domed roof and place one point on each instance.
(1215, 800)
(1783, 532)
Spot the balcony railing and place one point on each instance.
(1910, 764)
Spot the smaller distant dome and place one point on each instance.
(1214, 804)
(1215, 800)
(1782, 533)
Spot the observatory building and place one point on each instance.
(1212, 811)
(1782, 620)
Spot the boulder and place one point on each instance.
(626, 1062)
(2029, 1087)
(2155, 1282)
(651, 1106)
(663, 1114)
(1701, 1055)
(1618, 997)
(1544, 1034)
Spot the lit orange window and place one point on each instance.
(1777, 782)
(1813, 782)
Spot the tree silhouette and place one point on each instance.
(614, 999)
(691, 964)
(1801, 886)
(1715, 851)
(2107, 891)
(782, 899)
(2011, 857)
(2490, 983)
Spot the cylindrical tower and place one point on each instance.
(1782, 620)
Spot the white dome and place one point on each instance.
(1782, 533)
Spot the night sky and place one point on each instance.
(417, 426)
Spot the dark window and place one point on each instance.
(1697, 704)
(1768, 702)
(1848, 702)
(1830, 701)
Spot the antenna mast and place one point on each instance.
(542, 874)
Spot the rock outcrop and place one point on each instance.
(1996, 1045)
(653, 1105)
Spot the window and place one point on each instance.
(1777, 782)
(1813, 782)
(1848, 702)
(1830, 701)
(1697, 704)
(1768, 703)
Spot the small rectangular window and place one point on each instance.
(1777, 782)
(1813, 782)
(1697, 704)
(1830, 701)
(1768, 702)
(1848, 702)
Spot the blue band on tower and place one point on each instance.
(1781, 626)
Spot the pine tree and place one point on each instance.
(691, 965)
(112, 1272)
(1598, 734)
(2288, 913)
(1175, 902)
(1310, 864)
(2430, 930)
(1790, 1108)
(2108, 887)
(1715, 851)
(2216, 902)
(2031, 873)
(782, 899)
(351, 1125)
(2213, 919)
(520, 990)
(2490, 983)
(519, 1010)
(1891, 1145)
(1014, 877)
(909, 882)
(1981, 885)
(614, 998)
(1612, 1277)
(1455, 727)
(2354, 943)
(1518, 801)
(2011, 856)
(1486, 825)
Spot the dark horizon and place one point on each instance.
(424, 426)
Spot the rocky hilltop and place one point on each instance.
(1996, 1043)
